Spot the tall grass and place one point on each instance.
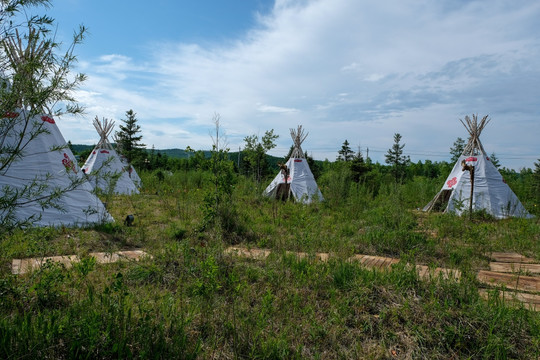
(192, 301)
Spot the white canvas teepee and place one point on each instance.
(490, 191)
(104, 167)
(45, 169)
(295, 177)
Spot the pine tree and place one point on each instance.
(396, 159)
(127, 140)
(358, 166)
(494, 160)
(457, 149)
(345, 153)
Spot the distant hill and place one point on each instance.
(79, 148)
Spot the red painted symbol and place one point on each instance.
(11, 114)
(471, 158)
(452, 182)
(297, 160)
(68, 163)
(93, 153)
(104, 151)
(47, 119)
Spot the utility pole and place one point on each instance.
(239, 159)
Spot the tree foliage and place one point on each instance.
(128, 139)
(255, 150)
(495, 160)
(35, 76)
(345, 153)
(457, 149)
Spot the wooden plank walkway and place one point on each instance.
(323, 257)
(369, 261)
(21, 266)
(259, 254)
(510, 257)
(510, 281)
(374, 262)
(514, 267)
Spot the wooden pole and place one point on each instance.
(471, 171)
(470, 168)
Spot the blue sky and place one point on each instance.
(357, 70)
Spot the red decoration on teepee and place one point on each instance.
(104, 151)
(471, 158)
(47, 119)
(297, 160)
(11, 114)
(452, 182)
(68, 163)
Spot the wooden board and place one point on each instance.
(514, 267)
(302, 255)
(424, 272)
(510, 257)
(249, 253)
(374, 262)
(510, 281)
(530, 301)
(21, 266)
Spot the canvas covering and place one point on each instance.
(48, 161)
(302, 182)
(132, 173)
(103, 166)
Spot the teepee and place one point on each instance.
(295, 177)
(104, 167)
(475, 170)
(42, 182)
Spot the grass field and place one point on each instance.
(192, 300)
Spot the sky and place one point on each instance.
(356, 70)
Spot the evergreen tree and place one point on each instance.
(457, 149)
(358, 166)
(345, 153)
(128, 140)
(494, 160)
(396, 159)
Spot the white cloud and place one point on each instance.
(356, 70)
(275, 109)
